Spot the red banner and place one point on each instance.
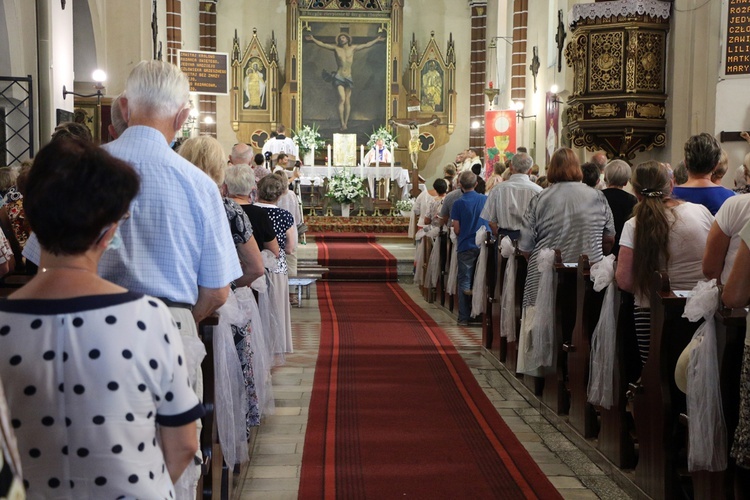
(500, 136)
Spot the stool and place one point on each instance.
(300, 283)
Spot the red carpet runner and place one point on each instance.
(396, 413)
(355, 257)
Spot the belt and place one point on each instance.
(180, 305)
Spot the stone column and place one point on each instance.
(55, 45)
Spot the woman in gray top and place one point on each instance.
(568, 216)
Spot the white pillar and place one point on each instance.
(55, 42)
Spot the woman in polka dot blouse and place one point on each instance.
(95, 375)
(270, 189)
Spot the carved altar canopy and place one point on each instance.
(255, 86)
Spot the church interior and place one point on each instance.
(455, 295)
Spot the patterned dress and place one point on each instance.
(241, 229)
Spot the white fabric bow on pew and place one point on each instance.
(707, 431)
(452, 282)
(231, 396)
(480, 274)
(542, 333)
(508, 304)
(433, 263)
(603, 340)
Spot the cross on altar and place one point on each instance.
(414, 124)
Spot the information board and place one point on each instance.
(207, 71)
(737, 60)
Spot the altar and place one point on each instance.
(316, 175)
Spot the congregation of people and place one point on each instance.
(637, 220)
(123, 251)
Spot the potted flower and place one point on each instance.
(308, 140)
(405, 206)
(346, 188)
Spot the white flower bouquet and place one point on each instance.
(345, 187)
(405, 205)
(308, 137)
(385, 134)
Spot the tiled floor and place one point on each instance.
(274, 470)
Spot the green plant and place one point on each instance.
(345, 187)
(307, 137)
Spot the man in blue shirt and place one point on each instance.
(465, 214)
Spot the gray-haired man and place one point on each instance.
(508, 201)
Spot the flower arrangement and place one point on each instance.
(405, 205)
(385, 134)
(307, 137)
(345, 187)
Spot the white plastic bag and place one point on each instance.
(508, 302)
(707, 431)
(543, 329)
(603, 340)
(478, 289)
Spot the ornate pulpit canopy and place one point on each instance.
(618, 56)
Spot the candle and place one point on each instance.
(392, 164)
(362, 161)
(312, 150)
(377, 168)
(329, 160)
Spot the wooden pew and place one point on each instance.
(582, 415)
(499, 347)
(213, 466)
(555, 395)
(491, 295)
(426, 248)
(657, 402)
(615, 440)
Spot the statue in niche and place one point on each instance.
(254, 85)
(432, 88)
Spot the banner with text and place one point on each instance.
(737, 54)
(207, 71)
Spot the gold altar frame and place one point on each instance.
(364, 28)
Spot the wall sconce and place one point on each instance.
(518, 106)
(99, 77)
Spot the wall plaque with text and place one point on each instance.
(738, 38)
(206, 71)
